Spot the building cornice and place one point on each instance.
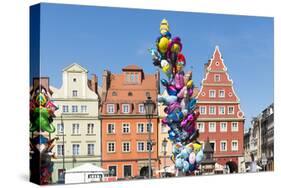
(228, 155)
(217, 102)
(220, 119)
(216, 84)
(116, 116)
(74, 99)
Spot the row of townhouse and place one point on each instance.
(107, 125)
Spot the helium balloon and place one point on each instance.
(191, 158)
(163, 44)
(185, 166)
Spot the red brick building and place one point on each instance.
(221, 119)
(124, 124)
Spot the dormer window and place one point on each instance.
(110, 108)
(125, 108)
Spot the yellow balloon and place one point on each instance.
(163, 44)
(189, 84)
(175, 48)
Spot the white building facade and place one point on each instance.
(77, 121)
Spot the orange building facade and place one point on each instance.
(124, 124)
(221, 119)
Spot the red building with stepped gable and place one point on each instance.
(221, 118)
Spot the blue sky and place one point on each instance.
(101, 38)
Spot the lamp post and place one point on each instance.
(149, 109)
(164, 145)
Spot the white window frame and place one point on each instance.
(60, 128)
(212, 96)
(129, 128)
(123, 107)
(126, 142)
(60, 149)
(93, 150)
(205, 110)
(75, 128)
(221, 128)
(147, 126)
(228, 110)
(210, 130)
(143, 127)
(74, 93)
(221, 96)
(232, 129)
(146, 146)
(201, 130)
(233, 149)
(78, 149)
(219, 76)
(141, 106)
(83, 108)
(114, 130)
(74, 108)
(220, 112)
(214, 110)
(107, 147)
(65, 108)
(223, 141)
(214, 142)
(139, 142)
(90, 128)
(110, 107)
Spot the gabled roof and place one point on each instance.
(75, 67)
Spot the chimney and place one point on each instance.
(105, 83)
(94, 83)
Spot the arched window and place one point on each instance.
(114, 93)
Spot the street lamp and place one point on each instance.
(149, 109)
(164, 145)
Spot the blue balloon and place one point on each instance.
(185, 166)
(179, 163)
(199, 156)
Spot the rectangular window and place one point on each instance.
(74, 93)
(234, 145)
(90, 128)
(110, 108)
(223, 127)
(140, 146)
(60, 149)
(140, 128)
(127, 170)
(202, 109)
(221, 110)
(212, 127)
(234, 126)
(91, 148)
(60, 128)
(149, 127)
(126, 147)
(230, 110)
(75, 149)
(74, 108)
(64, 108)
(221, 94)
(75, 128)
(112, 170)
(110, 147)
(83, 108)
(141, 108)
(148, 146)
(110, 128)
(213, 145)
(217, 77)
(125, 108)
(212, 110)
(223, 146)
(201, 127)
(212, 93)
(126, 128)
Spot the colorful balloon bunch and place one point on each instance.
(41, 117)
(180, 103)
